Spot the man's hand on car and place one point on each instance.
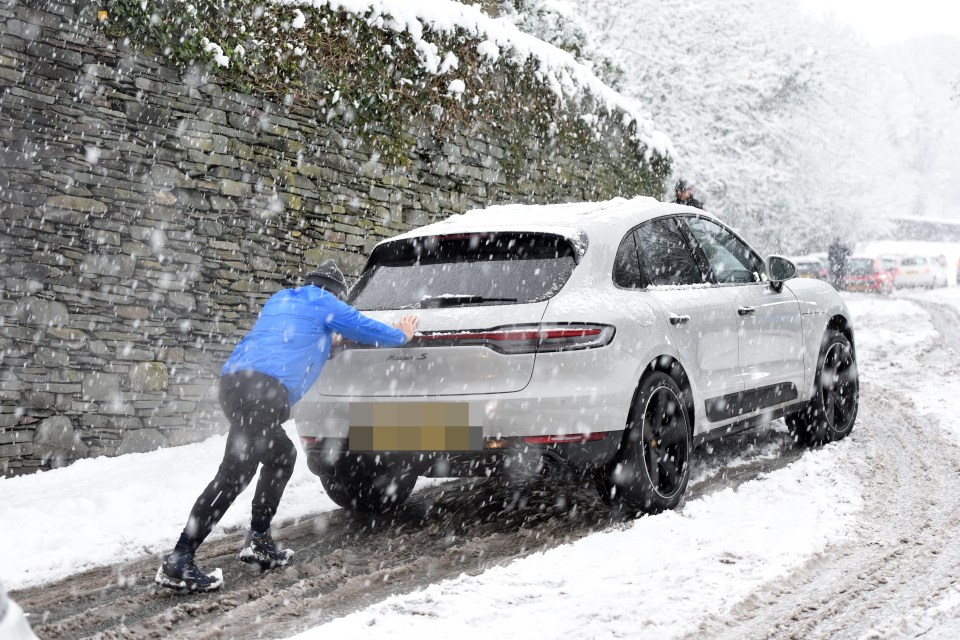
(408, 324)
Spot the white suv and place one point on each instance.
(608, 338)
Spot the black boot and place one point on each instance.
(260, 548)
(179, 571)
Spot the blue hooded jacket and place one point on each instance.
(291, 339)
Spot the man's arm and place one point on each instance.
(353, 325)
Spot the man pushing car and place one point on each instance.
(270, 369)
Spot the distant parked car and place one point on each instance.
(602, 339)
(922, 271)
(13, 623)
(810, 267)
(892, 266)
(868, 275)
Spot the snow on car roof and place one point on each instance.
(603, 220)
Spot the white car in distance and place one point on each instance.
(604, 338)
(922, 271)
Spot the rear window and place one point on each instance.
(913, 262)
(860, 267)
(464, 270)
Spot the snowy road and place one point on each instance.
(858, 540)
(898, 577)
(345, 563)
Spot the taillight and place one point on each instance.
(568, 438)
(516, 339)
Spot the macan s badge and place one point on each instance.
(403, 357)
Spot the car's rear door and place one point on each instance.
(770, 332)
(695, 314)
(479, 297)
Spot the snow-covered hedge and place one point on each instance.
(381, 63)
(562, 26)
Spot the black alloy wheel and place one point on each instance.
(664, 441)
(831, 413)
(650, 474)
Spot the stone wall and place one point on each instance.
(146, 214)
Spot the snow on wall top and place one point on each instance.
(559, 70)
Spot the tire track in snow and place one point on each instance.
(945, 318)
(907, 549)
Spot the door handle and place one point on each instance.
(675, 319)
(746, 311)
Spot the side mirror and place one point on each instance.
(779, 270)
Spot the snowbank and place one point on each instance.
(99, 511)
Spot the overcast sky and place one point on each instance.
(887, 21)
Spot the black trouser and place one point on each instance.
(256, 405)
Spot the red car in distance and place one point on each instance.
(868, 275)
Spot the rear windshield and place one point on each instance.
(464, 270)
(860, 267)
(913, 262)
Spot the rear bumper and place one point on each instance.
(868, 286)
(500, 415)
(924, 280)
(512, 458)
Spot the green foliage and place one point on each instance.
(354, 69)
(165, 26)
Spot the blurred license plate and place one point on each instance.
(912, 273)
(413, 426)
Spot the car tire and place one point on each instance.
(831, 413)
(651, 469)
(361, 483)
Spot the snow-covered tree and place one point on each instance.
(922, 128)
(793, 128)
(727, 82)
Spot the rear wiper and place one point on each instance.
(435, 302)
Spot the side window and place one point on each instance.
(665, 255)
(626, 267)
(731, 261)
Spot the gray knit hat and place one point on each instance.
(328, 276)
